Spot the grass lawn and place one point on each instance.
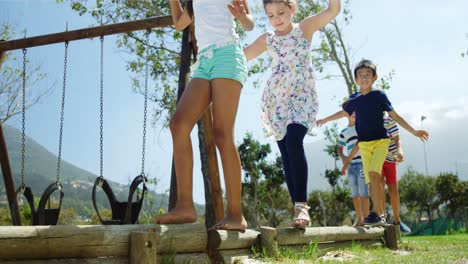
(414, 250)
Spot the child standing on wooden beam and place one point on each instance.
(217, 79)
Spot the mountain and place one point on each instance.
(41, 171)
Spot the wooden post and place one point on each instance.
(391, 235)
(213, 191)
(6, 169)
(8, 178)
(142, 247)
(269, 241)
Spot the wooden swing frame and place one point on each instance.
(213, 192)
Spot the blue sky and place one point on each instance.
(420, 40)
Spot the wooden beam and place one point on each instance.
(86, 33)
(231, 239)
(8, 178)
(67, 241)
(69, 261)
(294, 236)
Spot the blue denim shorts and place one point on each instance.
(227, 62)
(357, 181)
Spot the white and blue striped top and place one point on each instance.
(392, 129)
(348, 138)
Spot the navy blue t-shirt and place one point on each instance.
(369, 110)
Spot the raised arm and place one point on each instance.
(422, 134)
(313, 23)
(256, 48)
(335, 116)
(240, 10)
(181, 18)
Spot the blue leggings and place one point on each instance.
(294, 161)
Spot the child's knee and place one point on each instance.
(222, 137)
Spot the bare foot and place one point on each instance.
(359, 223)
(231, 223)
(178, 215)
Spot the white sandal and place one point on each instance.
(302, 216)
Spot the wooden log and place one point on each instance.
(391, 236)
(294, 236)
(70, 261)
(143, 247)
(52, 242)
(224, 239)
(269, 241)
(86, 33)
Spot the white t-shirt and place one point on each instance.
(214, 23)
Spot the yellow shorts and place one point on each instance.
(373, 155)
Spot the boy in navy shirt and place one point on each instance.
(369, 105)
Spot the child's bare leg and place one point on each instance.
(394, 201)
(194, 101)
(365, 205)
(384, 197)
(225, 96)
(376, 192)
(358, 208)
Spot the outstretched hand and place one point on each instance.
(422, 134)
(237, 8)
(320, 122)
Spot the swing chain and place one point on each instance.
(59, 156)
(23, 128)
(101, 100)
(145, 104)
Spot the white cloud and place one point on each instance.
(434, 111)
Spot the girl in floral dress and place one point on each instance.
(289, 101)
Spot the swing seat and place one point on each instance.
(122, 212)
(43, 215)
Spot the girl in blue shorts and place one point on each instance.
(217, 79)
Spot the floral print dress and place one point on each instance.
(290, 95)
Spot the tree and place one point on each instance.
(68, 216)
(11, 83)
(264, 197)
(163, 45)
(418, 192)
(452, 193)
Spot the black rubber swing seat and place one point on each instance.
(43, 215)
(122, 212)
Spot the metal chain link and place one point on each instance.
(59, 156)
(101, 100)
(145, 105)
(23, 128)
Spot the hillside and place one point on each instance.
(41, 171)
